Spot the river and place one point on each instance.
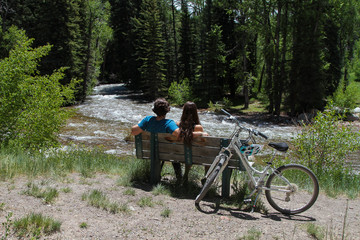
(105, 119)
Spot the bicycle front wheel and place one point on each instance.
(212, 177)
(292, 189)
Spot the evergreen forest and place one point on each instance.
(294, 55)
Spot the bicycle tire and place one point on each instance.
(209, 181)
(304, 186)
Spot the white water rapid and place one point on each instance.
(108, 114)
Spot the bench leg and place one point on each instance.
(155, 171)
(226, 175)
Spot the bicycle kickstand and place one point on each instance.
(254, 205)
(248, 200)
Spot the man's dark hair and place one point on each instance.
(161, 107)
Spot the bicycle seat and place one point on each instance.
(282, 147)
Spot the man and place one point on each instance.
(159, 124)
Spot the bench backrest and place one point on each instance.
(165, 147)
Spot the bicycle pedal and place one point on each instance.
(248, 200)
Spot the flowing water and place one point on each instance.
(107, 115)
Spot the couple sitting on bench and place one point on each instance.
(185, 130)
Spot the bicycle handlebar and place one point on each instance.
(256, 132)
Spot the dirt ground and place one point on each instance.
(185, 221)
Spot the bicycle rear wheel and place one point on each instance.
(293, 189)
(212, 177)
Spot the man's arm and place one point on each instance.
(176, 132)
(135, 130)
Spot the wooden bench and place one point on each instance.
(158, 147)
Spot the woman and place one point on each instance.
(190, 128)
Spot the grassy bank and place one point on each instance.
(129, 170)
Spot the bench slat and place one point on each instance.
(179, 149)
(206, 161)
(199, 141)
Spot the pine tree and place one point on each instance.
(306, 78)
(214, 65)
(150, 47)
(186, 44)
(120, 63)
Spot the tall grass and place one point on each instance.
(55, 162)
(35, 225)
(48, 195)
(98, 199)
(134, 170)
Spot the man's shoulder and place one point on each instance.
(169, 121)
(148, 118)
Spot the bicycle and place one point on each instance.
(290, 189)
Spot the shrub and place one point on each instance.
(324, 145)
(180, 93)
(347, 99)
(30, 105)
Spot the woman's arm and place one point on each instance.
(200, 134)
(198, 128)
(199, 131)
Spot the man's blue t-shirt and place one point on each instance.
(150, 124)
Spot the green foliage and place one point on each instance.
(213, 65)
(180, 93)
(150, 49)
(324, 145)
(145, 202)
(98, 199)
(241, 188)
(7, 226)
(227, 102)
(48, 195)
(252, 234)
(166, 212)
(35, 225)
(317, 232)
(30, 105)
(349, 98)
(98, 33)
(83, 225)
(217, 106)
(129, 192)
(135, 170)
(160, 190)
(66, 190)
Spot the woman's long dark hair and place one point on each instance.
(189, 119)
